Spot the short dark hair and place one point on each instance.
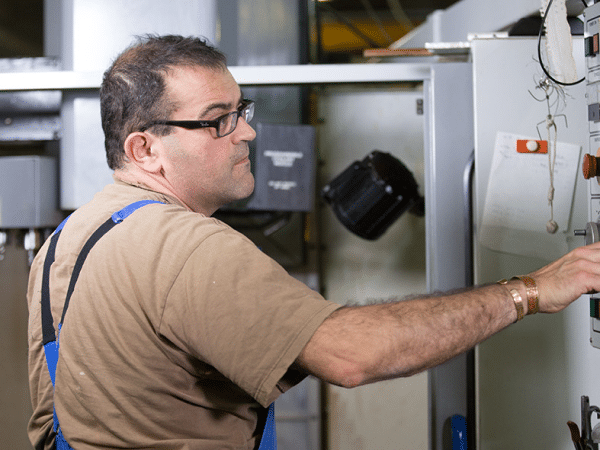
(133, 88)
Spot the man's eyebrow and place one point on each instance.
(220, 106)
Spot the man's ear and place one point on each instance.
(138, 150)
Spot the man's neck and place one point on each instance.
(144, 181)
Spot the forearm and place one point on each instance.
(360, 345)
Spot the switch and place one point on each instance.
(594, 112)
(588, 46)
(595, 308)
(591, 45)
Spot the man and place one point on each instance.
(180, 332)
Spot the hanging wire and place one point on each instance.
(539, 49)
(551, 90)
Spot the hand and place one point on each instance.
(568, 278)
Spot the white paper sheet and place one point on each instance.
(516, 205)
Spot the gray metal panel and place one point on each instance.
(30, 102)
(31, 115)
(33, 102)
(28, 191)
(543, 364)
(449, 139)
(92, 33)
(83, 167)
(449, 144)
(30, 128)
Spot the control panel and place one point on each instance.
(591, 162)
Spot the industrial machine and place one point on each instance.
(590, 169)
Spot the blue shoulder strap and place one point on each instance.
(269, 437)
(51, 340)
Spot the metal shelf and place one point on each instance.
(245, 75)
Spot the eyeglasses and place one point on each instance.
(224, 125)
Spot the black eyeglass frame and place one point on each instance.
(246, 109)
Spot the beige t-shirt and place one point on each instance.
(178, 334)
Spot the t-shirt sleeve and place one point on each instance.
(233, 307)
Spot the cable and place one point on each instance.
(539, 49)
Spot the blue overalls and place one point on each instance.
(51, 340)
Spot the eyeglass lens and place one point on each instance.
(228, 123)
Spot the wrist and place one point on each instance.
(516, 295)
(533, 295)
(524, 293)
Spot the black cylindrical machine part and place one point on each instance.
(371, 194)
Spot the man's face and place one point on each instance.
(203, 170)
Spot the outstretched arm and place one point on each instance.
(364, 344)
